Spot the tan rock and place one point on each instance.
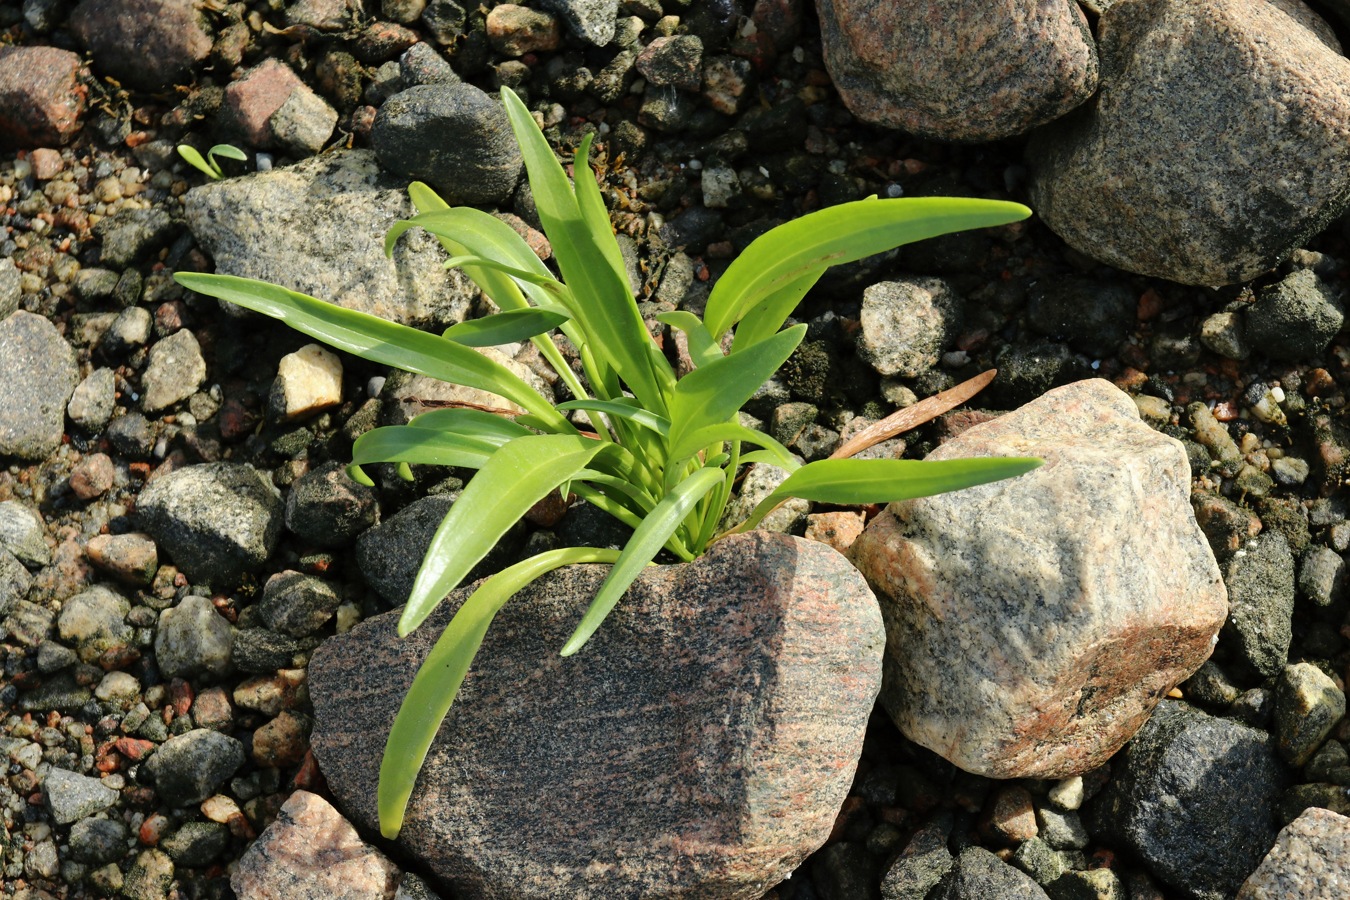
(308, 381)
(1033, 623)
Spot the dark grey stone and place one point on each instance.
(1260, 586)
(1094, 316)
(414, 888)
(218, 521)
(28, 623)
(390, 554)
(1308, 705)
(129, 332)
(421, 64)
(197, 844)
(673, 62)
(148, 45)
(98, 841)
(444, 19)
(327, 509)
(131, 235)
(1193, 796)
(40, 375)
(188, 768)
(1294, 319)
(452, 136)
(263, 651)
(980, 875)
(921, 865)
(844, 871)
(132, 435)
(297, 604)
(71, 796)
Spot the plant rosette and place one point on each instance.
(658, 453)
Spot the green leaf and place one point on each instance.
(767, 316)
(516, 477)
(714, 393)
(592, 207)
(193, 158)
(471, 422)
(641, 549)
(376, 339)
(702, 348)
(840, 234)
(423, 446)
(504, 328)
(856, 481)
(440, 676)
(624, 409)
(603, 300)
(698, 439)
(229, 151)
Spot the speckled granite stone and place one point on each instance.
(698, 747)
(1310, 860)
(958, 70)
(311, 853)
(1032, 624)
(1216, 145)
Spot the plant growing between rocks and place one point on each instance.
(208, 166)
(660, 453)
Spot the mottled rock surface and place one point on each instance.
(908, 324)
(1033, 623)
(1216, 145)
(1310, 860)
(318, 228)
(40, 376)
(40, 100)
(311, 853)
(684, 748)
(145, 44)
(1193, 797)
(217, 520)
(956, 70)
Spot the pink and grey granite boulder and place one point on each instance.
(958, 70)
(1033, 624)
(41, 97)
(1215, 147)
(699, 746)
(149, 45)
(311, 853)
(1310, 860)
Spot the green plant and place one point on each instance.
(660, 453)
(208, 166)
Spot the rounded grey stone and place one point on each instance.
(188, 768)
(907, 324)
(95, 621)
(175, 370)
(98, 841)
(218, 521)
(92, 403)
(453, 136)
(328, 509)
(71, 796)
(1294, 319)
(297, 604)
(40, 375)
(193, 639)
(1308, 706)
(1260, 585)
(22, 532)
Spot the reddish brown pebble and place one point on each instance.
(40, 96)
(1010, 817)
(47, 163)
(134, 749)
(93, 476)
(153, 829)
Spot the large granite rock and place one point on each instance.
(318, 228)
(1310, 860)
(1216, 145)
(311, 853)
(958, 70)
(145, 44)
(1032, 624)
(41, 98)
(699, 746)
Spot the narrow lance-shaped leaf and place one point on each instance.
(714, 393)
(624, 410)
(423, 446)
(841, 234)
(641, 549)
(515, 478)
(702, 349)
(376, 339)
(604, 302)
(438, 681)
(504, 327)
(856, 481)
